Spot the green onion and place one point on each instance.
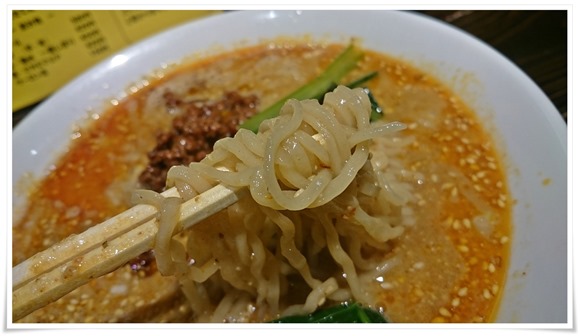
(315, 89)
(343, 313)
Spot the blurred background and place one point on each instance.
(52, 47)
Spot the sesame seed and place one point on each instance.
(495, 289)
(387, 285)
(486, 294)
(444, 312)
(419, 265)
(448, 222)
(467, 223)
(491, 268)
(455, 302)
(462, 291)
(454, 192)
(463, 248)
(504, 239)
(501, 203)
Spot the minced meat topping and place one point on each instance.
(194, 132)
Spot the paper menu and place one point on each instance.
(51, 47)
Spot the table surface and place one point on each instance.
(534, 40)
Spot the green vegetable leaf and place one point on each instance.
(376, 110)
(360, 81)
(315, 89)
(344, 313)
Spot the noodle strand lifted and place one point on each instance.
(316, 207)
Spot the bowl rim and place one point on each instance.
(545, 116)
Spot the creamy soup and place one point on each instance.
(451, 258)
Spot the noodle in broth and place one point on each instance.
(308, 172)
(434, 245)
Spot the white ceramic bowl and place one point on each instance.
(529, 130)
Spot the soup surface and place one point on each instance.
(452, 256)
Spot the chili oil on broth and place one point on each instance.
(453, 258)
(449, 265)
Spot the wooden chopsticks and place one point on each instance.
(51, 274)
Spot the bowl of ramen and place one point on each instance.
(409, 169)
